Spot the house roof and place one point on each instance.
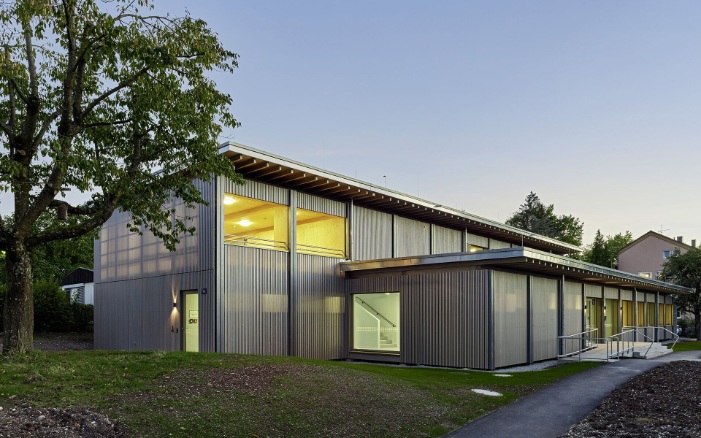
(265, 167)
(658, 236)
(524, 259)
(78, 276)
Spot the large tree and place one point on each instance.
(604, 250)
(539, 218)
(109, 99)
(685, 270)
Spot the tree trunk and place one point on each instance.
(18, 311)
(697, 323)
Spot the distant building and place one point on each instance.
(80, 286)
(645, 255)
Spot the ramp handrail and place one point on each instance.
(585, 341)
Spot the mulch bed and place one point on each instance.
(664, 402)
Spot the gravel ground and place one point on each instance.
(664, 402)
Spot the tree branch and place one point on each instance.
(81, 210)
(110, 92)
(114, 123)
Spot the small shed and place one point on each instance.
(79, 285)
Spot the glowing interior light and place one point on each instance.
(228, 200)
(245, 223)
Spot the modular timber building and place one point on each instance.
(302, 261)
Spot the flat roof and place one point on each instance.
(522, 259)
(265, 167)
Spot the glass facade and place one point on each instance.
(376, 324)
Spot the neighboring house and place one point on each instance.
(646, 254)
(80, 286)
(306, 262)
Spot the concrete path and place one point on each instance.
(550, 412)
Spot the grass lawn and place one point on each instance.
(687, 346)
(203, 394)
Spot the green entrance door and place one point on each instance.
(190, 320)
(593, 317)
(611, 317)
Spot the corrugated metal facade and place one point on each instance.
(572, 313)
(445, 240)
(256, 190)
(593, 291)
(371, 245)
(320, 308)
(626, 295)
(498, 244)
(411, 237)
(473, 239)
(137, 280)
(444, 316)
(509, 294)
(610, 293)
(253, 304)
(321, 205)
(543, 318)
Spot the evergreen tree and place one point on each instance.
(541, 219)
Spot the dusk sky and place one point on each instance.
(595, 106)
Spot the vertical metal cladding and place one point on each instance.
(445, 240)
(138, 314)
(498, 244)
(626, 295)
(320, 308)
(411, 237)
(573, 312)
(509, 292)
(592, 290)
(611, 293)
(544, 318)
(254, 301)
(320, 205)
(372, 234)
(257, 190)
(444, 316)
(474, 239)
(138, 279)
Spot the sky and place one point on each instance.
(595, 106)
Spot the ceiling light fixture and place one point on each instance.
(228, 200)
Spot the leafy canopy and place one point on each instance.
(105, 99)
(604, 250)
(685, 270)
(539, 218)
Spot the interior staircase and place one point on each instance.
(387, 343)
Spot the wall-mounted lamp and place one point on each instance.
(175, 304)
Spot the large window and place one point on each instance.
(628, 318)
(376, 322)
(255, 223)
(320, 234)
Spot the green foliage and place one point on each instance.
(604, 251)
(53, 310)
(206, 394)
(108, 99)
(535, 216)
(685, 270)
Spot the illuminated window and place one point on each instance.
(641, 314)
(255, 223)
(645, 274)
(475, 248)
(628, 320)
(651, 314)
(321, 234)
(668, 314)
(376, 322)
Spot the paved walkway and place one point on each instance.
(550, 412)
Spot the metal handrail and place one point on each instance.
(584, 338)
(676, 336)
(376, 312)
(235, 239)
(321, 250)
(619, 337)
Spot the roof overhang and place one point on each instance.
(520, 259)
(268, 168)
